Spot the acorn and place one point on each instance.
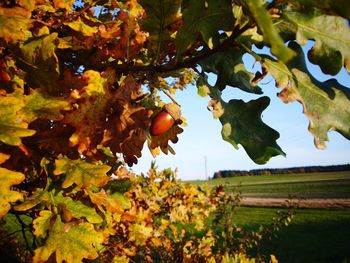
(4, 76)
(165, 119)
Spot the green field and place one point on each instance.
(314, 185)
(315, 235)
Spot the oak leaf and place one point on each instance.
(64, 4)
(81, 173)
(326, 103)
(13, 125)
(7, 180)
(42, 223)
(49, 199)
(14, 24)
(69, 242)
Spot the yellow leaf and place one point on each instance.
(4, 157)
(42, 224)
(14, 24)
(82, 28)
(64, 4)
(70, 243)
(7, 180)
(81, 173)
(139, 233)
(273, 259)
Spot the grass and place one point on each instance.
(332, 187)
(263, 179)
(315, 235)
(331, 184)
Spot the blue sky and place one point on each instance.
(202, 137)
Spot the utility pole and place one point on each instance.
(205, 167)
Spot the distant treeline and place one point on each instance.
(290, 170)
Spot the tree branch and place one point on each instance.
(163, 68)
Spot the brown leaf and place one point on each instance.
(132, 147)
(162, 141)
(126, 122)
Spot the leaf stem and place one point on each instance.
(169, 96)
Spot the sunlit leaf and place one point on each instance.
(40, 196)
(126, 125)
(163, 140)
(70, 243)
(14, 24)
(82, 28)
(7, 180)
(65, 4)
(91, 106)
(42, 223)
(12, 124)
(81, 173)
(4, 157)
(50, 198)
(77, 209)
(326, 104)
(139, 233)
(115, 202)
(270, 34)
(27, 4)
(331, 34)
(40, 105)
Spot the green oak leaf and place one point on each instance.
(205, 19)
(38, 58)
(332, 38)
(326, 104)
(40, 105)
(78, 209)
(81, 173)
(242, 124)
(70, 242)
(42, 223)
(50, 198)
(7, 180)
(12, 123)
(270, 33)
(230, 70)
(160, 16)
(338, 7)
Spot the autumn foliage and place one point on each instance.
(80, 85)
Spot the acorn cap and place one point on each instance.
(174, 110)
